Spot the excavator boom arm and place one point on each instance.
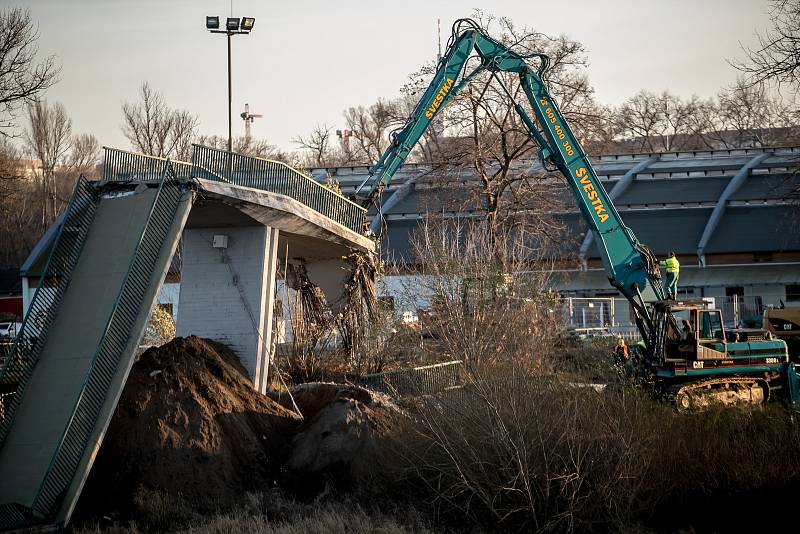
(630, 266)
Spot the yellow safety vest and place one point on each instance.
(671, 264)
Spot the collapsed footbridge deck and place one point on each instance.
(99, 271)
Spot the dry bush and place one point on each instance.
(488, 304)
(312, 326)
(523, 452)
(325, 345)
(589, 359)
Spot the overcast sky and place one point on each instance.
(308, 60)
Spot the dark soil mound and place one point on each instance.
(189, 423)
(336, 443)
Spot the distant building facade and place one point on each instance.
(728, 214)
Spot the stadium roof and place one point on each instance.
(696, 203)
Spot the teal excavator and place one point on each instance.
(689, 358)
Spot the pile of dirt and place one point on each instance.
(337, 442)
(190, 423)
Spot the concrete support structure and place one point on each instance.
(228, 289)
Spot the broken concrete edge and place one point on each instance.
(239, 197)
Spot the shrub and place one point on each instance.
(517, 451)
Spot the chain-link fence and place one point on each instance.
(424, 380)
(740, 311)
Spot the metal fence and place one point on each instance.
(276, 177)
(222, 166)
(741, 312)
(597, 312)
(424, 380)
(124, 166)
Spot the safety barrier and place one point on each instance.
(424, 380)
(276, 177)
(117, 335)
(45, 303)
(124, 166)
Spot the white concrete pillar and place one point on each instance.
(227, 292)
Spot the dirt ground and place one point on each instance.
(190, 424)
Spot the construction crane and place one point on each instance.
(689, 358)
(248, 119)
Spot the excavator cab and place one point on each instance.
(694, 333)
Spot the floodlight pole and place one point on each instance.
(230, 33)
(230, 99)
(230, 107)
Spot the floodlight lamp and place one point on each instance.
(248, 23)
(212, 23)
(232, 25)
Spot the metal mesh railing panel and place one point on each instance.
(45, 303)
(416, 381)
(110, 350)
(124, 166)
(275, 177)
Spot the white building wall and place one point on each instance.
(227, 293)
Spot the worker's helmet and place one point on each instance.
(620, 342)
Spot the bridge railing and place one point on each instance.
(124, 166)
(222, 166)
(276, 177)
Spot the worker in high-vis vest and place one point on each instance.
(673, 272)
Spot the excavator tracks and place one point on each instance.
(720, 392)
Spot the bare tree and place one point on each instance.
(372, 126)
(22, 79)
(368, 135)
(48, 137)
(750, 116)
(776, 58)
(156, 129)
(318, 146)
(85, 154)
(11, 170)
(662, 122)
(258, 148)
